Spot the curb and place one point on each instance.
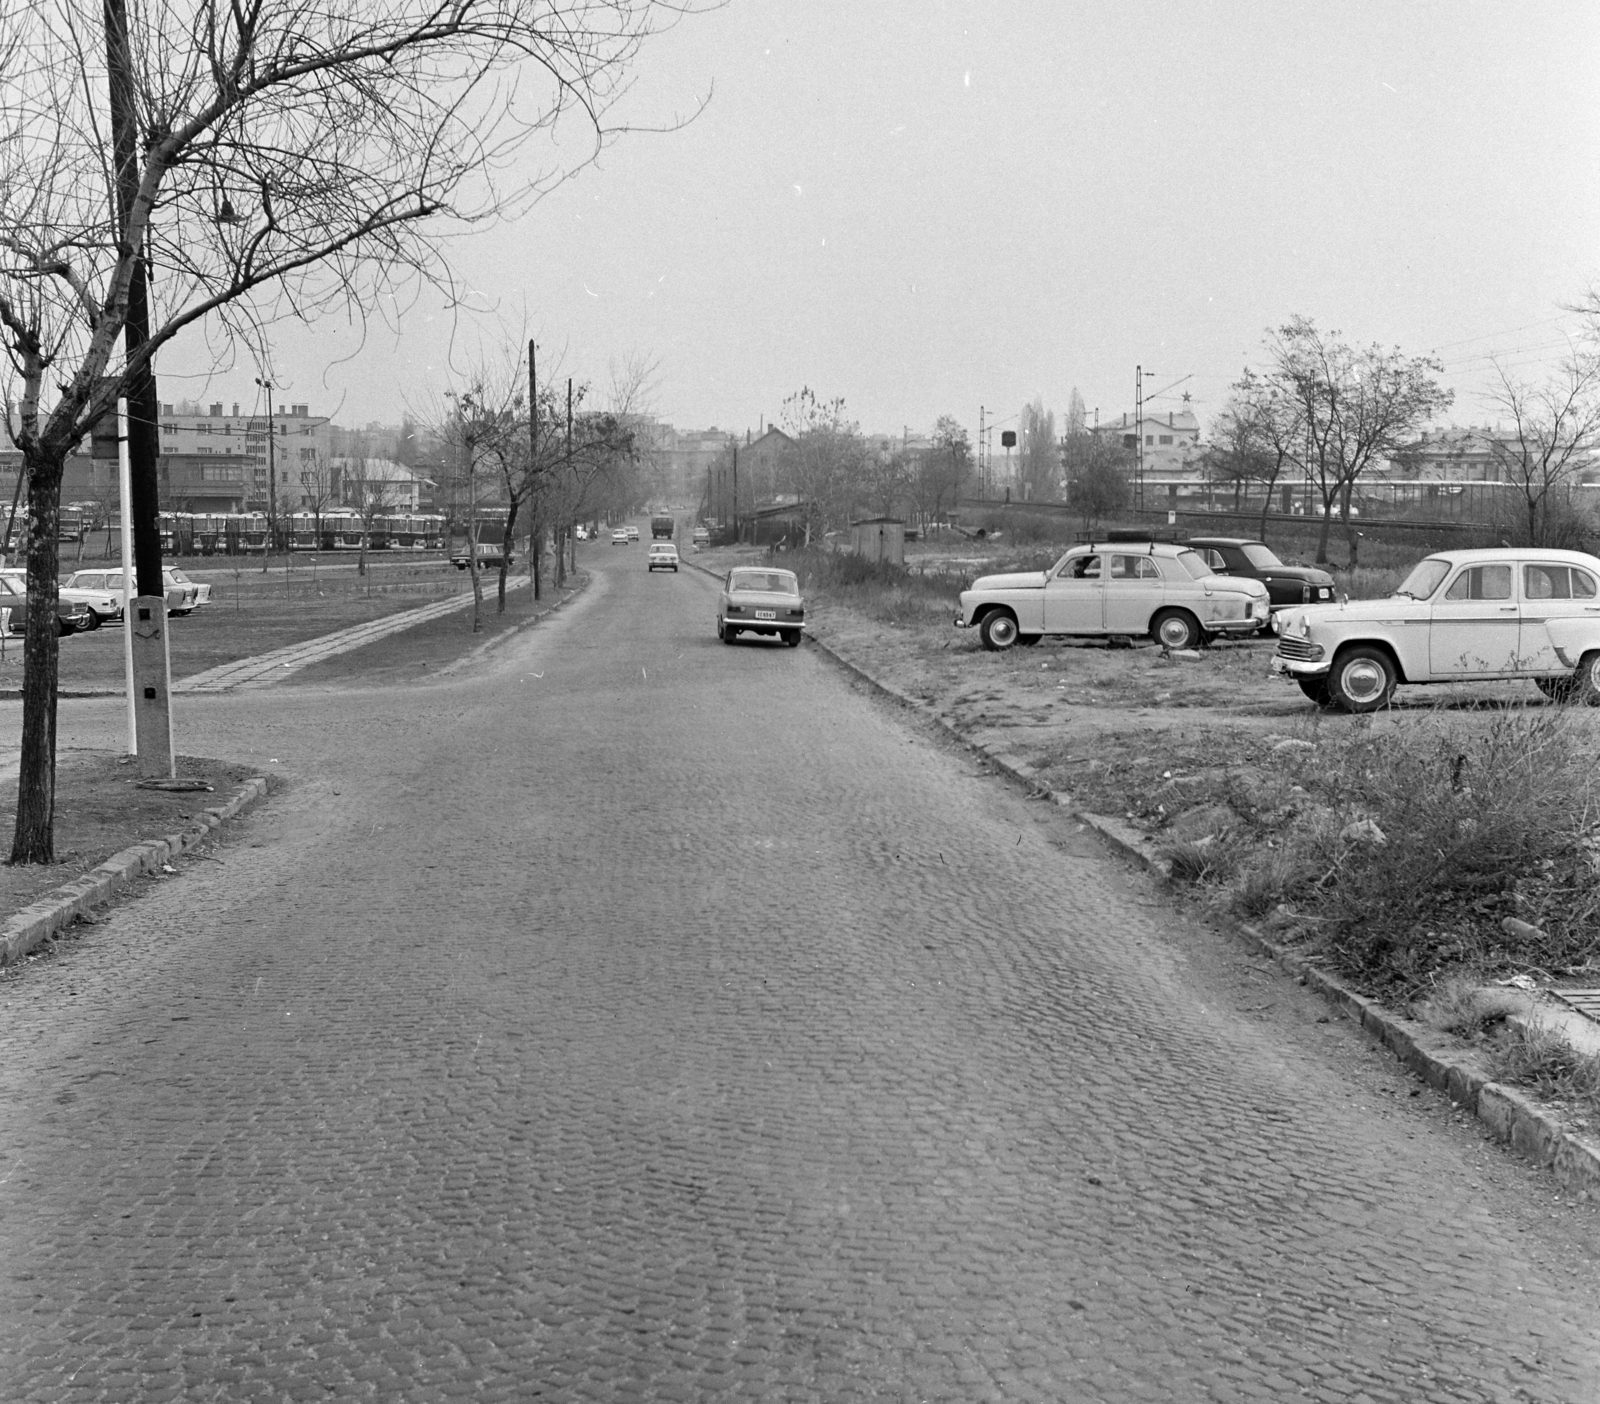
(38, 922)
(1433, 1057)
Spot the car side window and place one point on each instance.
(1546, 582)
(1583, 585)
(1213, 558)
(1484, 582)
(1084, 568)
(1133, 568)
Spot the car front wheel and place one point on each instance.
(1175, 628)
(1363, 680)
(1316, 689)
(998, 630)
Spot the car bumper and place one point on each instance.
(1300, 668)
(762, 626)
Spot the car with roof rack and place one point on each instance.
(1113, 588)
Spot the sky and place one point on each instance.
(927, 208)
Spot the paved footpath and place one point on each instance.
(642, 1018)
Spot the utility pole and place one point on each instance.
(1138, 436)
(983, 464)
(272, 479)
(146, 613)
(535, 527)
(736, 492)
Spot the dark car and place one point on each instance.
(72, 616)
(1253, 560)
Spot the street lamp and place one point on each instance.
(272, 476)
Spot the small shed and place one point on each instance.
(880, 539)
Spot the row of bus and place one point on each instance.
(241, 533)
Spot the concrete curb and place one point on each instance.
(1433, 1057)
(37, 923)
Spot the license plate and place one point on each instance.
(766, 614)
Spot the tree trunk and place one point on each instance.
(33, 840)
(472, 570)
(535, 554)
(1322, 533)
(1350, 533)
(559, 546)
(505, 556)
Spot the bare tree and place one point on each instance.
(288, 154)
(1259, 435)
(1356, 407)
(370, 490)
(1554, 434)
(823, 464)
(1097, 469)
(943, 469)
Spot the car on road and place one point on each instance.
(1248, 559)
(72, 616)
(663, 556)
(761, 600)
(700, 536)
(1115, 589)
(633, 533)
(491, 556)
(619, 537)
(1459, 616)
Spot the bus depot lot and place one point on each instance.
(252, 611)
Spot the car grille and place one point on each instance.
(1302, 649)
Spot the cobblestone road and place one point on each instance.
(648, 1019)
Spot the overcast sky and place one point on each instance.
(925, 207)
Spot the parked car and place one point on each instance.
(619, 537)
(1249, 559)
(1502, 612)
(760, 600)
(72, 616)
(700, 537)
(97, 587)
(1115, 589)
(491, 556)
(663, 555)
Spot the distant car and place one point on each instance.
(664, 556)
(189, 594)
(581, 532)
(72, 616)
(491, 556)
(633, 533)
(619, 537)
(1249, 559)
(1500, 612)
(1112, 589)
(760, 600)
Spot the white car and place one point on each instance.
(633, 533)
(1502, 612)
(1115, 589)
(663, 556)
(761, 600)
(101, 590)
(619, 537)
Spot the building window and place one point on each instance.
(1149, 440)
(1166, 438)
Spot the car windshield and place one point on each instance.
(1259, 556)
(1425, 579)
(1195, 564)
(772, 582)
(178, 576)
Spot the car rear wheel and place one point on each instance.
(729, 633)
(1316, 689)
(1363, 679)
(792, 638)
(1175, 628)
(998, 630)
(1585, 685)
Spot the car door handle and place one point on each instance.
(1508, 609)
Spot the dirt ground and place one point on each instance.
(100, 810)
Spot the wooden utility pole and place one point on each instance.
(146, 613)
(535, 526)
